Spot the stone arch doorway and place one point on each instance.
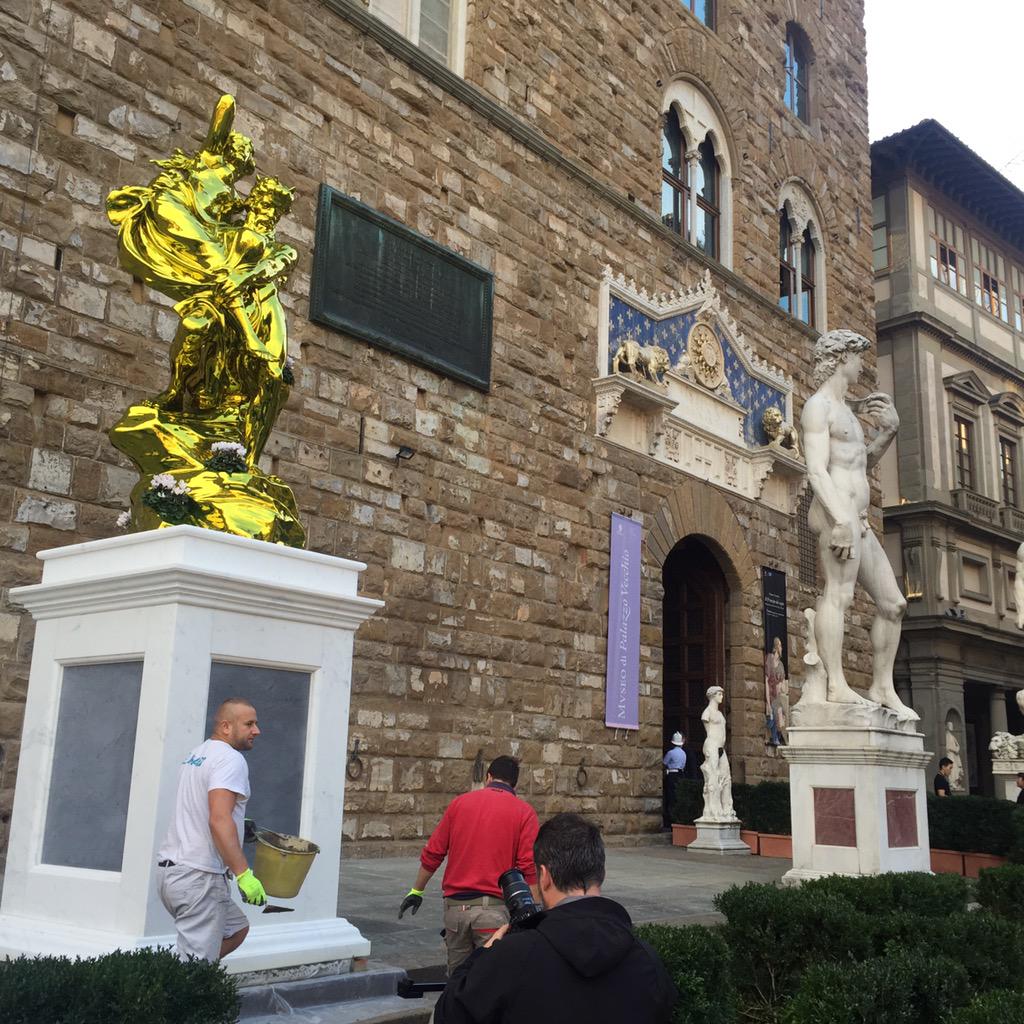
(694, 615)
(696, 528)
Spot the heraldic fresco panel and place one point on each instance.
(671, 332)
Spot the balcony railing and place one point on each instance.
(976, 505)
(1013, 518)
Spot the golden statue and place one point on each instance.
(190, 235)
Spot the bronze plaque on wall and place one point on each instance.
(378, 280)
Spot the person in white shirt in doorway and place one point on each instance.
(203, 846)
(675, 764)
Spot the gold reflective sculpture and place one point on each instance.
(191, 236)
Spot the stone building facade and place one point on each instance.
(949, 285)
(534, 140)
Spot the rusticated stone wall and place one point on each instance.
(490, 546)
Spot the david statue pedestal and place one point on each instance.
(857, 781)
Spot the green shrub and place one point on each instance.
(144, 985)
(911, 892)
(1017, 833)
(972, 824)
(765, 808)
(775, 934)
(991, 948)
(688, 803)
(697, 960)
(999, 1007)
(1001, 890)
(903, 987)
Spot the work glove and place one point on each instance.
(411, 902)
(251, 888)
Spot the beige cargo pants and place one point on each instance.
(469, 924)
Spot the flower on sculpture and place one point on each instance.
(227, 457)
(170, 499)
(124, 520)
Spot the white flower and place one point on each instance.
(180, 488)
(230, 447)
(162, 482)
(123, 520)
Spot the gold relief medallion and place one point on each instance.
(706, 356)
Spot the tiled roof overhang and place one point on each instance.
(942, 160)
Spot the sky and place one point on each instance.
(961, 63)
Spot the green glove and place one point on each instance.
(411, 902)
(251, 888)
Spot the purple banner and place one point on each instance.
(622, 685)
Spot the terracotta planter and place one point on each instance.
(775, 846)
(974, 862)
(750, 838)
(683, 835)
(947, 862)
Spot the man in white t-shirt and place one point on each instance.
(203, 846)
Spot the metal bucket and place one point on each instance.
(282, 862)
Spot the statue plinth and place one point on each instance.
(857, 792)
(138, 639)
(1005, 775)
(719, 837)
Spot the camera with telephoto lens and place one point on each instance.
(522, 911)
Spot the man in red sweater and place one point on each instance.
(482, 833)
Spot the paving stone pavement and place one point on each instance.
(656, 883)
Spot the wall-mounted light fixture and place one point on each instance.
(404, 453)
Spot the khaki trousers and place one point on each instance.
(468, 926)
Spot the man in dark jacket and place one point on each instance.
(580, 962)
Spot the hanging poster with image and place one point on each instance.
(776, 657)
(622, 680)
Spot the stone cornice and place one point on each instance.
(949, 336)
(497, 115)
(936, 510)
(189, 586)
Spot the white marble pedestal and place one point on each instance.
(857, 789)
(137, 639)
(719, 837)
(1004, 773)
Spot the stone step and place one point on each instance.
(282, 997)
(378, 1010)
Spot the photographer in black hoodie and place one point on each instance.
(580, 962)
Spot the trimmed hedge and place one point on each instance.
(144, 985)
(763, 807)
(1001, 890)
(999, 1007)
(971, 824)
(902, 987)
(697, 960)
(888, 949)
(772, 932)
(909, 892)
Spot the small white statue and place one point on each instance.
(956, 775)
(715, 769)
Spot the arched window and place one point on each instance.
(796, 289)
(705, 233)
(675, 197)
(696, 172)
(801, 258)
(797, 95)
(703, 10)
